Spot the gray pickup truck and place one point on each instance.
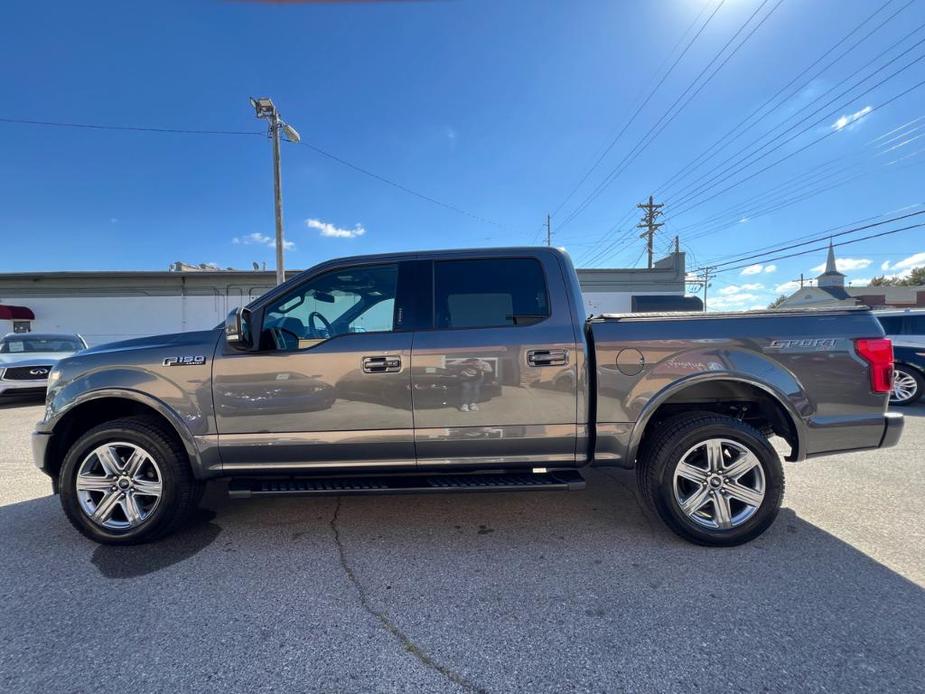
(469, 370)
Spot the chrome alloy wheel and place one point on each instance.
(118, 485)
(719, 484)
(905, 386)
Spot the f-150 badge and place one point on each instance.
(188, 360)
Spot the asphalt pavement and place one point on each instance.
(520, 592)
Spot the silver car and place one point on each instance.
(26, 359)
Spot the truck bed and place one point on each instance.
(764, 312)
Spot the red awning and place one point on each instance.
(16, 312)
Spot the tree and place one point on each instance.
(777, 302)
(914, 279)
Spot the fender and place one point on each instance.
(681, 384)
(203, 457)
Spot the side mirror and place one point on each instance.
(237, 329)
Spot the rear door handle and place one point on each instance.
(381, 365)
(547, 357)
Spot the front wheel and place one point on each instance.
(907, 385)
(713, 480)
(127, 482)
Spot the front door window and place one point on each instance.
(351, 300)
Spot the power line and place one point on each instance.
(824, 235)
(789, 193)
(95, 126)
(805, 147)
(649, 137)
(647, 99)
(762, 110)
(705, 183)
(822, 248)
(726, 139)
(314, 148)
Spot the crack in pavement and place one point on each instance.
(406, 642)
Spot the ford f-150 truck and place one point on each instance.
(471, 370)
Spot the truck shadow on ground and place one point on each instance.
(475, 579)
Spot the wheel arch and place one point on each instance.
(729, 391)
(98, 407)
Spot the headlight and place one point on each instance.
(53, 376)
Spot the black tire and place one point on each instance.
(916, 376)
(659, 459)
(180, 491)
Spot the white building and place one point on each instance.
(109, 306)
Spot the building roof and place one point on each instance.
(836, 292)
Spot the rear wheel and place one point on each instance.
(713, 480)
(908, 385)
(127, 482)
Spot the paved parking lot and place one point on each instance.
(497, 592)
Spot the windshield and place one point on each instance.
(28, 344)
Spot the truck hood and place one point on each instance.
(153, 342)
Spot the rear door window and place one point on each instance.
(489, 293)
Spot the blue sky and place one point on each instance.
(496, 108)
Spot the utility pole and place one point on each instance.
(652, 212)
(677, 245)
(707, 276)
(548, 230)
(266, 109)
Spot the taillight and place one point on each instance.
(878, 353)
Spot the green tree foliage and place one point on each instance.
(778, 301)
(914, 279)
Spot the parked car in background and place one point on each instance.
(26, 359)
(906, 328)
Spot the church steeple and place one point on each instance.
(831, 277)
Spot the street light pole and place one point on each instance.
(266, 109)
(278, 197)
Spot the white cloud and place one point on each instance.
(850, 118)
(258, 239)
(911, 262)
(328, 229)
(885, 265)
(903, 268)
(752, 269)
(845, 264)
(732, 301)
(451, 133)
(744, 220)
(787, 287)
(859, 281)
(736, 288)
(770, 268)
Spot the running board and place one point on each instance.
(554, 480)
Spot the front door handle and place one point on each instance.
(547, 357)
(381, 365)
